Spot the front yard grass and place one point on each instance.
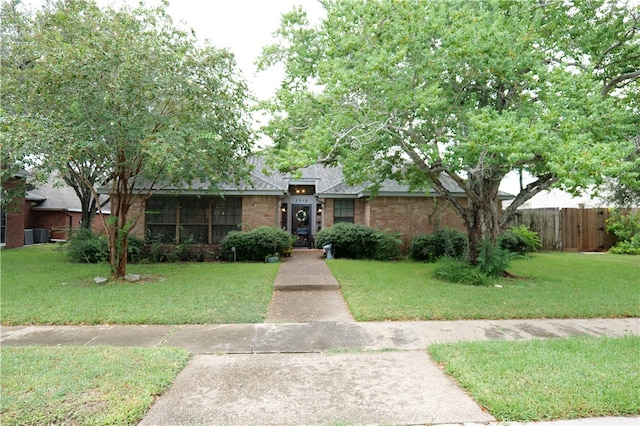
(40, 286)
(534, 380)
(556, 285)
(84, 385)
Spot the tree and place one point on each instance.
(126, 96)
(433, 91)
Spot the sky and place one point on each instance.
(242, 26)
(246, 26)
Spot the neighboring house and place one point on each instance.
(56, 207)
(303, 204)
(12, 217)
(53, 207)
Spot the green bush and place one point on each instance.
(627, 229)
(627, 247)
(255, 245)
(519, 240)
(431, 247)
(181, 252)
(460, 272)
(355, 241)
(493, 260)
(86, 247)
(135, 249)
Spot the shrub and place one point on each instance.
(86, 247)
(135, 249)
(493, 260)
(627, 229)
(520, 240)
(255, 245)
(181, 252)
(460, 272)
(627, 247)
(355, 241)
(431, 247)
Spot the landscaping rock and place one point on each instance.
(100, 280)
(132, 277)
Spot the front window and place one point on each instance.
(227, 216)
(343, 211)
(196, 219)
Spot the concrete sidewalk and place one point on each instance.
(311, 363)
(312, 337)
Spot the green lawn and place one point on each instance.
(39, 286)
(84, 385)
(547, 380)
(556, 285)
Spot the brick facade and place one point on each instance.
(15, 214)
(260, 210)
(411, 216)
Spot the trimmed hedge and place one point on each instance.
(255, 245)
(355, 241)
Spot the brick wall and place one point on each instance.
(260, 210)
(15, 213)
(412, 216)
(137, 208)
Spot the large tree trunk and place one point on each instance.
(118, 233)
(118, 227)
(483, 215)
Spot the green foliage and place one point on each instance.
(627, 229)
(135, 249)
(624, 226)
(380, 89)
(519, 240)
(256, 244)
(493, 260)
(123, 96)
(355, 241)
(181, 252)
(460, 272)
(431, 247)
(86, 247)
(627, 247)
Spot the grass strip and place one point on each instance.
(40, 286)
(577, 377)
(84, 385)
(555, 285)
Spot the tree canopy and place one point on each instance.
(418, 90)
(124, 95)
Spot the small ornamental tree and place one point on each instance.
(126, 92)
(433, 92)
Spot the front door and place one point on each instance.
(301, 224)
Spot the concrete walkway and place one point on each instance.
(310, 363)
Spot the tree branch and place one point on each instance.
(532, 189)
(631, 76)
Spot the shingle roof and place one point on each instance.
(329, 182)
(57, 195)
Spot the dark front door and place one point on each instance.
(301, 223)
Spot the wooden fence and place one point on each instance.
(569, 229)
